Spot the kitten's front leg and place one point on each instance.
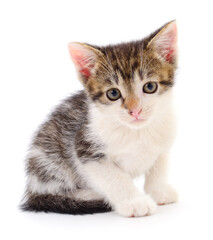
(118, 188)
(156, 183)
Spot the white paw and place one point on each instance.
(164, 194)
(137, 207)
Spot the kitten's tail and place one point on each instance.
(63, 204)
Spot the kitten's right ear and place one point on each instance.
(84, 58)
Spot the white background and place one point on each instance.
(36, 73)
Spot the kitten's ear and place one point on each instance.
(165, 42)
(84, 57)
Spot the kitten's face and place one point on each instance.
(136, 107)
(129, 82)
(135, 101)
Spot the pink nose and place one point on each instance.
(135, 112)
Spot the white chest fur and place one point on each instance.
(134, 150)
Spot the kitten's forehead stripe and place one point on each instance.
(125, 59)
(150, 73)
(108, 81)
(115, 77)
(135, 64)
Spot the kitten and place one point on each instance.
(83, 159)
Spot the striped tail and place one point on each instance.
(63, 204)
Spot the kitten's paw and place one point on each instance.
(137, 207)
(164, 194)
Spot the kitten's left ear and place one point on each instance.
(84, 58)
(165, 42)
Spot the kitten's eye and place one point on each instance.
(150, 87)
(113, 94)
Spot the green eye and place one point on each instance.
(150, 87)
(113, 94)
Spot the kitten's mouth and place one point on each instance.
(138, 120)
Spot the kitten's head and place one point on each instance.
(129, 81)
